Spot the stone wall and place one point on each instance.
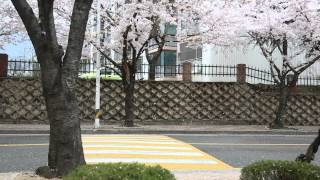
(170, 102)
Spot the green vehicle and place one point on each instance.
(105, 74)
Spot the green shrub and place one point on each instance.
(119, 171)
(280, 170)
(110, 77)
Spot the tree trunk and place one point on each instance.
(311, 151)
(129, 104)
(282, 106)
(128, 81)
(152, 71)
(58, 80)
(65, 150)
(65, 145)
(59, 71)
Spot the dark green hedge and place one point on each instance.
(119, 171)
(280, 170)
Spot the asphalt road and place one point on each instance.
(26, 152)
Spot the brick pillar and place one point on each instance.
(241, 73)
(187, 71)
(3, 65)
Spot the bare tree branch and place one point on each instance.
(30, 21)
(114, 70)
(106, 56)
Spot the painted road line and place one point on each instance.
(142, 152)
(24, 134)
(192, 167)
(146, 156)
(126, 140)
(244, 135)
(237, 144)
(22, 145)
(146, 141)
(139, 149)
(159, 147)
(143, 160)
(133, 146)
(128, 137)
(158, 137)
(149, 149)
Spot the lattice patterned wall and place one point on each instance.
(171, 102)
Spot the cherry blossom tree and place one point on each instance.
(288, 32)
(11, 27)
(132, 26)
(210, 22)
(285, 31)
(59, 71)
(290, 29)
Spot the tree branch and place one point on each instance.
(160, 47)
(125, 44)
(30, 22)
(77, 31)
(48, 26)
(106, 56)
(114, 70)
(308, 64)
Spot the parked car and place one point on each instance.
(105, 74)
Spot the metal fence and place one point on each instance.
(308, 81)
(256, 76)
(199, 72)
(22, 68)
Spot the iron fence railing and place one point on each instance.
(256, 76)
(199, 72)
(214, 70)
(309, 81)
(17, 68)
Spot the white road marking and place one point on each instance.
(173, 147)
(24, 134)
(197, 135)
(127, 139)
(243, 135)
(130, 141)
(143, 152)
(21, 145)
(133, 146)
(142, 160)
(236, 144)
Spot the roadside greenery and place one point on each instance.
(280, 170)
(119, 171)
(103, 76)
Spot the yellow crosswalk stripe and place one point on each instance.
(161, 148)
(131, 143)
(144, 156)
(149, 149)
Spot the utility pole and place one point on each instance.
(98, 67)
(91, 68)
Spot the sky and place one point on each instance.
(22, 50)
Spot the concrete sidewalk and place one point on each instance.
(164, 129)
(182, 175)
